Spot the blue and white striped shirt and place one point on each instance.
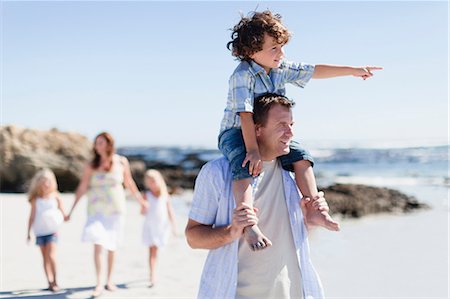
(213, 204)
(249, 80)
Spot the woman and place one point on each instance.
(102, 181)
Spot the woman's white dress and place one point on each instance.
(156, 229)
(106, 207)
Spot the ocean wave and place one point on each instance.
(383, 181)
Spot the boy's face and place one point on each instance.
(271, 54)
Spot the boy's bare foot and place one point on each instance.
(255, 238)
(317, 217)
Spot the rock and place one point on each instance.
(24, 151)
(355, 201)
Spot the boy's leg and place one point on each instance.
(243, 193)
(300, 162)
(231, 144)
(306, 182)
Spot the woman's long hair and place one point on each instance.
(95, 163)
(35, 189)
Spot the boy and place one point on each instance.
(257, 41)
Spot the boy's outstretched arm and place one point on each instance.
(324, 71)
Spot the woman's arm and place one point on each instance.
(61, 208)
(130, 184)
(82, 187)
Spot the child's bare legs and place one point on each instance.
(153, 255)
(306, 182)
(242, 190)
(47, 266)
(51, 251)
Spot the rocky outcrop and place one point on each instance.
(25, 151)
(354, 201)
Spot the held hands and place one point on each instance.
(255, 164)
(243, 216)
(144, 207)
(365, 72)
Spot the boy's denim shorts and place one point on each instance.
(44, 240)
(231, 144)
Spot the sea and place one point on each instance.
(425, 165)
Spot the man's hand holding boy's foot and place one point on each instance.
(315, 212)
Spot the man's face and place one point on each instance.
(275, 136)
(271, 54)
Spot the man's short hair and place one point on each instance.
(263, 103)
(247, 36)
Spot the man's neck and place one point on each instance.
(266, 156)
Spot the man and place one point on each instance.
(283, 270)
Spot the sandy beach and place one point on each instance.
(22, 273)
(384, 256)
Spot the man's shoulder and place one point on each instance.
(219, 164)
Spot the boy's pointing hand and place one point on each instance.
(366, 72)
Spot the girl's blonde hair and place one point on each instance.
(35, 189)
(159, 179)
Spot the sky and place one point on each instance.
(156, 73)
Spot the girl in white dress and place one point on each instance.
(46, 216)
(158, 217)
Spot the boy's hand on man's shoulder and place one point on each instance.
(255, 162)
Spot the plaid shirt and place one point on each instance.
(249, 80)
(213, 204)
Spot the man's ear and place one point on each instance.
(258, 130)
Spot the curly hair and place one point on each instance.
(247, 36)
